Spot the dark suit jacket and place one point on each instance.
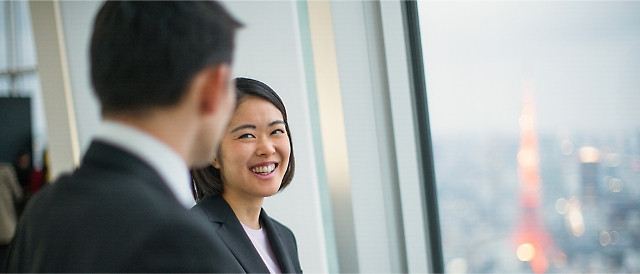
(225, 223)
(114, 214)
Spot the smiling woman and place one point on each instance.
(255, 160)
(254, 154)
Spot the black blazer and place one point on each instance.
(225, 223)
(114, 214)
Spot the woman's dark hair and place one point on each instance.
(208, 181)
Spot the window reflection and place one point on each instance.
(533, 111)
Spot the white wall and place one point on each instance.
(77, 20)
(53, 70)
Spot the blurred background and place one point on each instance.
(430, 136)
(536, 133)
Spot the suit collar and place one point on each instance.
(277, 244)
(157, 154)
(232, 233)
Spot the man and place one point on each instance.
(161, 71)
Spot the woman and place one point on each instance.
(255, 160)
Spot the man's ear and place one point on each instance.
(215, 87)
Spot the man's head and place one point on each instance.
(170, 62)
(144, 54)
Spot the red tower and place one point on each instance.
(534, 244)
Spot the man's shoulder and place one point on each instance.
(91, 190)
(85, 226)
(91, 202)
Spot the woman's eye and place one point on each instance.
(246, 136)
(277, 131)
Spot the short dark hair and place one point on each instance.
(145, 53)
(208, 180)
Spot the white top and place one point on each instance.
(164, 160)
(262, 245)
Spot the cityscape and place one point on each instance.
(586, 212)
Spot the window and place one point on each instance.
(18, 72)
(17, 68)
(535, 133)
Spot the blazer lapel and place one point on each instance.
(277, 244)
(233, 235)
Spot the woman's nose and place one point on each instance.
(265, 147)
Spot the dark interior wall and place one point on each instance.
(15, 128)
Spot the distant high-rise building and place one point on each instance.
(589, 167)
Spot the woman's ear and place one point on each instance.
(215, 163)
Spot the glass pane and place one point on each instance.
(534, 115)
(27, 84)
(4, 86)
(26, 56)
(4, 34)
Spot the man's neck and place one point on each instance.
(167, 128)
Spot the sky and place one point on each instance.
(581, 59)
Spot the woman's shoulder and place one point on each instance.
(280, 227)
(214, 201)
(288, 239)
(215, 208)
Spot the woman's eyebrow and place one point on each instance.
(276, 122)
(243, 127)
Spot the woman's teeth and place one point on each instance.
(264, 169)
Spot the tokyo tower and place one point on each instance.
(533, 242)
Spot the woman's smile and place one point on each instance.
(264, 170)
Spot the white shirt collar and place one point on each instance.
(164, 160)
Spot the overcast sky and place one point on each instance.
(582, 58)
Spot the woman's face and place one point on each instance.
(254, 153)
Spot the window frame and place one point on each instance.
(425, 153)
